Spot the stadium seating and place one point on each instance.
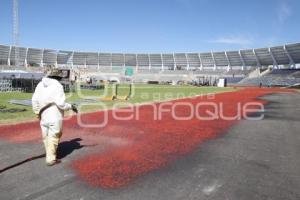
(233, 65)
(280, 55)
(276, 77)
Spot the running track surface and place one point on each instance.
(147, 144)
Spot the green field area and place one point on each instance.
(94, 98)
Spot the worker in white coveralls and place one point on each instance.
(48, 103)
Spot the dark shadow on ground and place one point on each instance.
(67, 147)
(22, 162)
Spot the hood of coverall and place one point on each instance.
(48, 81)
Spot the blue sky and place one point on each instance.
(152, 25)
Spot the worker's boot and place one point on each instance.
(45, 141)
(52, 150)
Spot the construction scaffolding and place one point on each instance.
(6, 86)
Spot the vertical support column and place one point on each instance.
(199, 61)
(149, 61)
(8, 58)
(228, 61)
(174, 60)
(42, 58)
(16, 32)
(162, 63)
(26, 57)
(187, 62)
(136, 63)
(289, 56)
(56, 61)
(257, 60)
(201, 64)
(111, 61)
(214, 61)
(124, 61)
(98, 64)
(85, 60)
(72, 61)
(242, 59)
(275, 64)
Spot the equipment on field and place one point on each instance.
(126, 97)
(222, 82)
(3, 109)
(22, 102)
(116, 94)
(113, 96)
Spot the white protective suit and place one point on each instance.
(50, 91)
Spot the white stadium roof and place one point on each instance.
(278, 55)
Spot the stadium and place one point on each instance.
(207, 124)
(243, 67)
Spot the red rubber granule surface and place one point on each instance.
(143, 144)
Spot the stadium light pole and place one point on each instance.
(16, 30)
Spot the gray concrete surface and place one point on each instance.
(253, 160)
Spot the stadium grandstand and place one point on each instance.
(161, 67)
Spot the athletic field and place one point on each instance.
(140, 94)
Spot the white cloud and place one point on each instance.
(236, 40)
(284, 11)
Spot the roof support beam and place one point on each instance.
(136, 63)
(162, 63)
(174, 68)
(26, 57)
(124, 61)
(198, 55)
(71, 59)
(273, 58)
(56, 61)
(111, 64)
(257, 60)
(42, 58)
(201, 64)
(8, 58)
(242, 59)
(228, 61)
(187, 62)
(85, 62)
(289, 56)
(149, 61)
(214, 61)
(98, 64)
